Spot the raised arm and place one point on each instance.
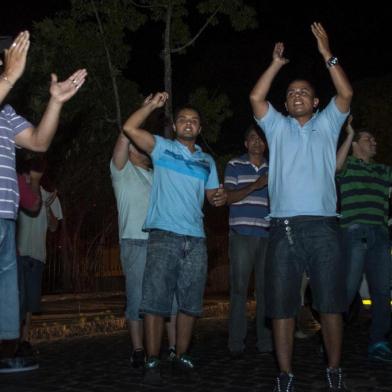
(14, 63)
(344, 149)
(339, 78)
(39, 138)
(259, 93)
(133, 126)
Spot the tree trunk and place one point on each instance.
(168, 73)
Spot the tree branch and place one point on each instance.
(111, 68)
(176, 50)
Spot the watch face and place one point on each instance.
(332, 61)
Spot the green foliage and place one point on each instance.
(215, 110)
(241, 15)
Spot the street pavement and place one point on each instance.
(100, 362)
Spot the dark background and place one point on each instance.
(230, 62)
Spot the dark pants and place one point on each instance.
(299, 244)
(367, 250)
(247, 253)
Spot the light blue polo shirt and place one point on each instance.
(179, 184)
(302, 162)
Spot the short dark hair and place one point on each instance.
(311, 84)
(358, 133)
(258, 130)
(186, 106)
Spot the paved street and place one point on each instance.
(101, 363)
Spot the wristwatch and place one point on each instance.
(332, 61)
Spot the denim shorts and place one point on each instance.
(304, 244)
(176, 267)
(9, 297)
(30, 284)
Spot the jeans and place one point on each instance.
(247, 253)
(9, 294)
(176, 266)
(367, 250)
(133, 261)
(304, 244)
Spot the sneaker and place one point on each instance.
(171, 354)
(152, 372)
(284, 383)
(335, 380)
(380, 352)
(138, 358)
(184, 366)
(18, 364)
(25, 349)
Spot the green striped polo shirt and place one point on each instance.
(364, 192)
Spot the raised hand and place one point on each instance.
(322, 39)
(64, 91)
(277, 54)
(159, 99)
(147, 100)
(349, 128)
(15, 57)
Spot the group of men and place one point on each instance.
(283, 223)
(283, 219)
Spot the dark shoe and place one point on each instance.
(171, 354)
(25, 349)
(18, 364)
(284, 383)
(152, 372)
(138, 358)
(335, 380)
(380, 352)
(184, 367)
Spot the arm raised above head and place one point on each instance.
(342, 85)
(258, 95)
(133, 126)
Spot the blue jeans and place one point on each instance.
(367, 250)
(9, 294)
(299, 244)
(247, 253)
(133, 261)
(176, 266)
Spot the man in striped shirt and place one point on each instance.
(14, 129)
(246, 179)
(364, 193)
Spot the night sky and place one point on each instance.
(231, 62)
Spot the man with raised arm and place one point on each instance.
(14, 129)
(303, 234)
(131, 173)
(176, 251)
(364, 187)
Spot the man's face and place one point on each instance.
(366, 145)
(300, 99)
(254, 143)
(187, 125)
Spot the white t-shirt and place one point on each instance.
(31, 231)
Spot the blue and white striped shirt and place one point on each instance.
(247, 216)
(10, 125)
